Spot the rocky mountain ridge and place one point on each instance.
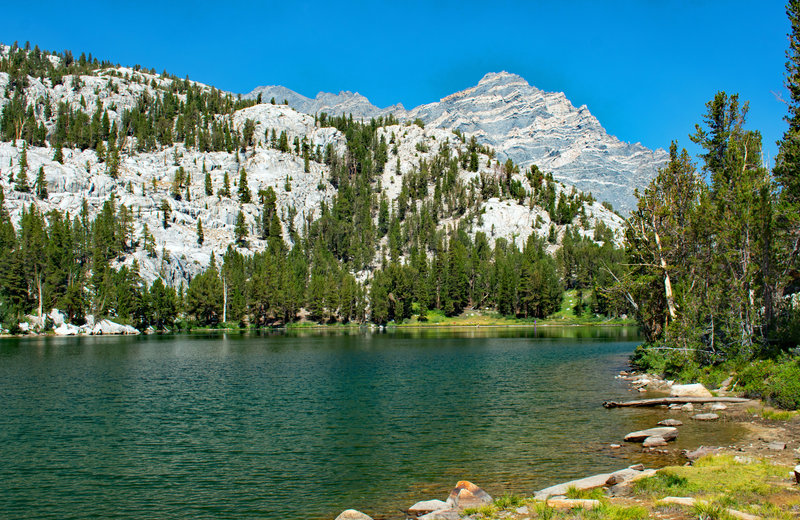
(146, 176)
(520, 122)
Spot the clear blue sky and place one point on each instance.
(644, 68)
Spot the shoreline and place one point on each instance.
(633, 492)
(333, 327)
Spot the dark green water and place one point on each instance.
(304, 425)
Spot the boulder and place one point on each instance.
(797, 473)
(653, 441)
(352, 514)
(580, 485)
(427, 506)
(670, 422)
(629, 475)
(66, 329)
(466, 495)
(702, 451)
(109, 327)
(693, 390)
(705, 417)
(58, 317)
(666, 432)
(716, 407)
(442, 514)
(24, 326)
(776, 446)
(688, 407)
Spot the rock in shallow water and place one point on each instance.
(667, 433)
(653, 441)
(466, 495)
(670, 422)
(352, 514)
(705, 417)
(427, 506)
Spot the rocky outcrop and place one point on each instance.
(627, 475)
(521, 122)
(108, 327)
(692, 390)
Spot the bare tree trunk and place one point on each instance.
(673, 313)
(224, 300)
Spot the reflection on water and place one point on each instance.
(307, 423)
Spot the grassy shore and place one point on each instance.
(715, 487)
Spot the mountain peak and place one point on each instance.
(502, 78)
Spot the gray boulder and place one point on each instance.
(666, 432)
(427, 506)
(705, 417)
(653, 441)
(693, 390)
(670, 422)
(442, 514)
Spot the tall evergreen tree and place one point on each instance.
(244, 189)
(41, 184)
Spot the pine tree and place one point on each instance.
(208, 187)
(240, 230)
(244, 189)
(58, 156)
(165, 210)
(787, 170)
(22, 182)
(225, 190)
(41, 184)
(200, 236)
(177, 183)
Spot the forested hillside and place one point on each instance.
(713, 253)
(151, 199)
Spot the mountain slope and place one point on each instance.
(520, 122)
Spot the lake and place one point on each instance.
(305, 424)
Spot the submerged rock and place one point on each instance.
(670, 422)
(352, 514)
(466, 495)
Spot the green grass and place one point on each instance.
(715, 477)
(586, 494)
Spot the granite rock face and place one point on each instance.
(520, 122)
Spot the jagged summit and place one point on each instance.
(521, 122)
(503, 77)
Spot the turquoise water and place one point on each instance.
(302, 425)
